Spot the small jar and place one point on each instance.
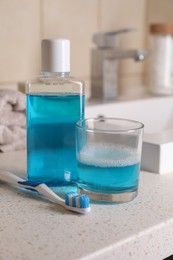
(161, 65)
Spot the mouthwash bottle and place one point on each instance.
(55, 102)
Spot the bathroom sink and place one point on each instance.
(156, 113)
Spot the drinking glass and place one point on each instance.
(108, 158)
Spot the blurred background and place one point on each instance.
(24, 23)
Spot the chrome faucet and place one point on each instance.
(104, 63)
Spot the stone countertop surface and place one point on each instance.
(34, 228)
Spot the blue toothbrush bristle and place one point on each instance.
(76, 200)
(84, 201)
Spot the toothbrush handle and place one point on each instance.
(46, 191)
(9, 177)
(41, 188)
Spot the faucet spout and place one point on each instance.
(117, 53)
(137, 55)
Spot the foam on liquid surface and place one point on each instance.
(108, 155)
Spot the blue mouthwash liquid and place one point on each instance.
(51, 155)
(108, 169)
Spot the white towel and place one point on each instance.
(12, 120)
(13, 99)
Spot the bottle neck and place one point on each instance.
(55, 74)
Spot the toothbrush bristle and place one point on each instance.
(76, 200)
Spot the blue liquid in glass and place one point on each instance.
(108, 170)
(51, 155)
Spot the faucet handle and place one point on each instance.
(109, 39)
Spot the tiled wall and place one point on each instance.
(24, 23)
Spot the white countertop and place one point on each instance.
(33, 228)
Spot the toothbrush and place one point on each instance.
(73, 201)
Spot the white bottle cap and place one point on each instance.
(55, 55)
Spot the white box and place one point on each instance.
(157, 152)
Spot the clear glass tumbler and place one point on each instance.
(108, 158)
